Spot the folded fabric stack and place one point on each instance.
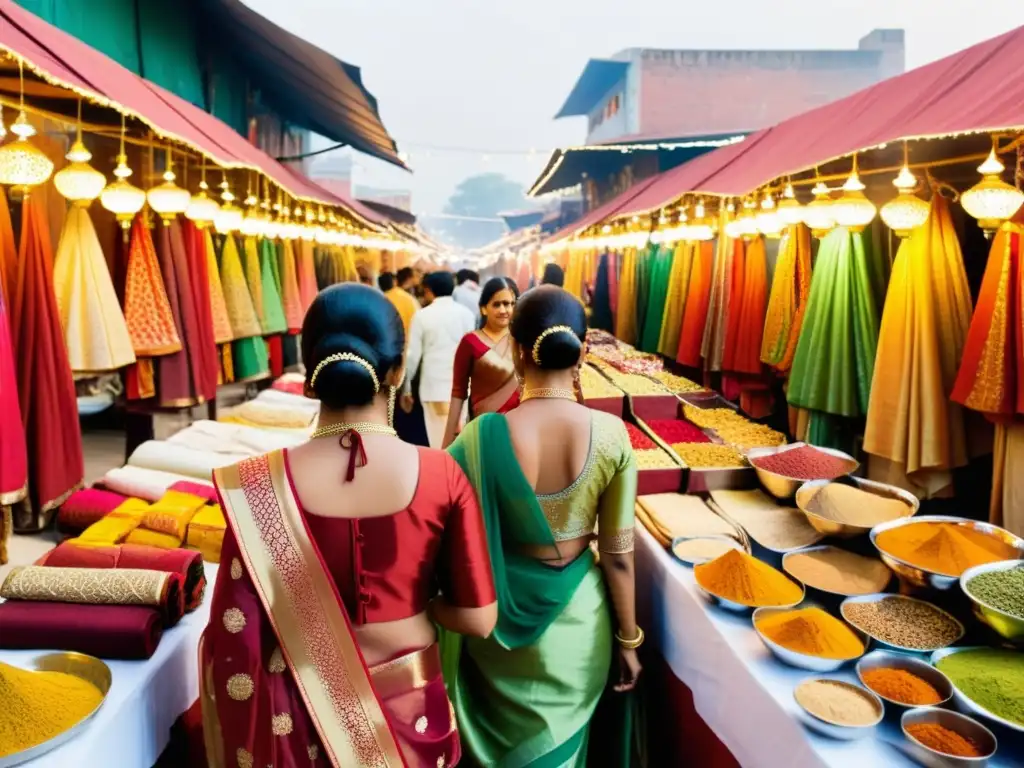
(222, 437)
(166, 456)
(275, 410)
(85, 507)
(164, 523)
(292, 383)
(148, 484)
(206, 532)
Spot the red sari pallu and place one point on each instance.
(484, 373)
(282, 678)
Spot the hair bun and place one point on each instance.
(354, 379)
(557, 348)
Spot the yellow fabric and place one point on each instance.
(241, 311)
(222, 330)
(206, 532)
(914, 432)
(172, 513)
(675, 302)
(574, 274)
(1007, 504)
(625, 312)
(153, 539)
(787, 302)
(251, 262)
(130, 508)
(95, 332)
(406, 305)
(713, 343)
(111, 530)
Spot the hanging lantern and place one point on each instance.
(168, 199)
(906, 212)
(747, 225)
(789, 208)
(22, 164)
(120, 197)
(853, 210)
(78, 181)
(202, 209)
(818, 213)
(991, 201)
(767, 220)
(229, 217)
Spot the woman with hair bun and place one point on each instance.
(484, 372)
(552, 475)
(340, 557)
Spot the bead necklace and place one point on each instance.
(364, 427)
(548, 393)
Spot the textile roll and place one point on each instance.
(916, 436)
(251, 267)
(292, 383)
(207, 493)
(787, 302)
(148, 484)
(85, 507)
(206, 532)
(172, 513)
(13, 451)
(46, 391)
(95, 331)
(232, 439)
(171, 457)
(106, 631)
(272, 319)
(187, 564)
(270, 416)
(112, 529)
(147, 538)
(98, 586)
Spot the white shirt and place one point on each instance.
(468, 295)
(434, 335)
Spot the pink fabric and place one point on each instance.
(196, 489)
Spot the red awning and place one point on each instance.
(65, 61)
(602, 212)
(977, 90)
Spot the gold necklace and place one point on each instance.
(548, 393)
(362, 427)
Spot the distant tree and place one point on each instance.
(482, 196)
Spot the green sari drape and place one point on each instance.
(524, 696)
(660, 268)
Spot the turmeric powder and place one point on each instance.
(946, 548)
(944, 740)
(812, 631)
(744, 579)
(902, 686)
(38, 706)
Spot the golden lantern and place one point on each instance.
(229, 217)
(991, 201)
(78, 181)
(168, 199)
(789, 208)
(22, 164)
(701, 229)
(202, 209)
(818, 213)
(120, 197)
(853, 210)
(767, 219)
(746, 221)
(906, 212)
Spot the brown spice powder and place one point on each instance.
(835, 570)
(843, 503)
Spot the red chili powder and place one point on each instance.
(804, 463)
(674, 431)
(638, 439)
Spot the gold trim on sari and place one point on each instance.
(306, 613)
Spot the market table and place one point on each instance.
(133, 727)
(742, 692)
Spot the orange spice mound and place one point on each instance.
(812, 631)
(945, 548)
(744, 579)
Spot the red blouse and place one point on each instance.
(389, 567)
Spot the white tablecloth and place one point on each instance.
(742, 692)
(133, 727)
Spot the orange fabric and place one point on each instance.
(290, 296)
(147, 309)
(696, 312)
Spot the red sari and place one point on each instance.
(13, 459)
(283, 680)
(484, 373)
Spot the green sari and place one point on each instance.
(524, 697)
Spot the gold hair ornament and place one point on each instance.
(553, 329)
(339, 357)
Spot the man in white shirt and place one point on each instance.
(468, 291)
(434, 335)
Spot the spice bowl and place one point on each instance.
(87, 668)
(803, 660)
(971, 729)
(833, 729)
(879, 659)
(891, 646)
(781, 486)
(1006, 625)
(916, 576)
(806, 492)
(743, 608)
(728, 541)
(965, 704)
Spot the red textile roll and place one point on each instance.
(85, 507)
(187, 563)
(106, 631)
(207, 492)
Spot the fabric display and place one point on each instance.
(127, 632)
(206, 532)
(142, 483)
(180, 460)
(85, 507)
(115, 527)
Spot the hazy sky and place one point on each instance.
(487, 76)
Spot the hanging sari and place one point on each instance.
(675, 299)
(659, 270)
(601, 315)
(13, 458)
(46, 391)
(743, 373)
(179, 379)
(248, 352)
(282, 678)
(306, 275)
(716, 328)
(223, 334)
(695, 308)
(95, 332)
(206, 354)
(625, 311)
(290, 300)
(272, 319)
(915, 434)
(787, 302)
(485, 374)
(525, 696)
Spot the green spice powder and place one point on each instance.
(993, 679)
(1000, 589)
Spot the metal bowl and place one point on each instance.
(968, 705)
(781, 486)
(736, 544)
(837, 730)
(1006, 625)
(824, 525)
(892, 646)
(962, 724)
(821, 548)
(805, 660)
(921, 577)
(89, 669)
(919, 667)
(732, 605)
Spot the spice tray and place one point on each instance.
(664, 406)
(978, 734)
(808, 490)
(658, 480)
(781, 486)
(87, 668)
(914, 665)
(1006, 625)
(967, 705)
(613, 405)
(795, 658)
(892, 646)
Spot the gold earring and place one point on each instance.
(391, 407)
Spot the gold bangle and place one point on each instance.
(631, 645)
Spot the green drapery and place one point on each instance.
(273, 308)
(659, 269)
